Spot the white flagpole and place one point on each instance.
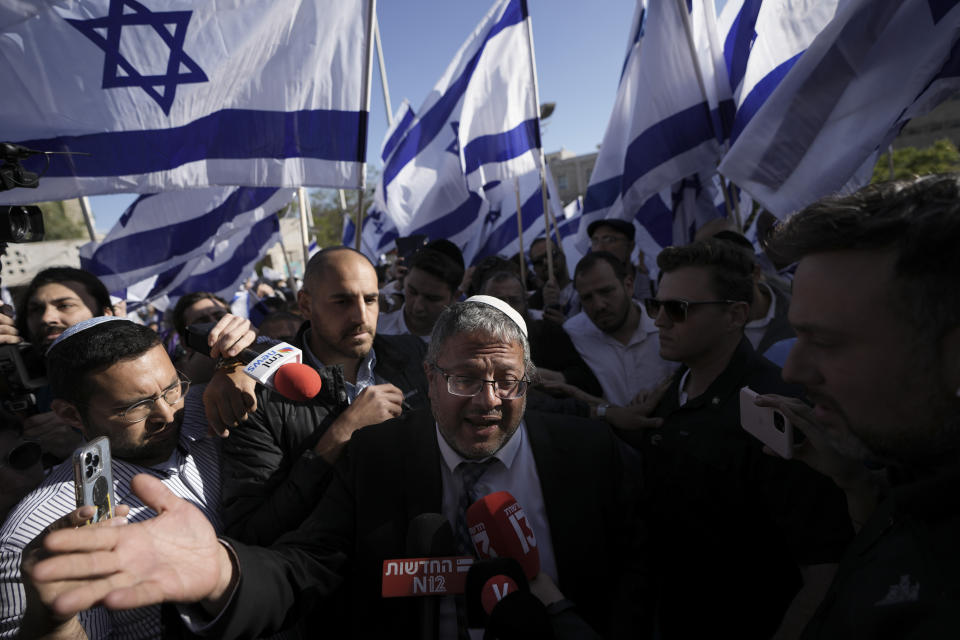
(523, 267)
(543, 177)
(368, 70)
(383, 70)
(87, 216)
(304, 239)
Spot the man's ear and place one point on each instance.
(740, 314)
(68, 412)
(303, 303)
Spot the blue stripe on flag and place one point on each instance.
(501, 146)
(226, 134)
(224, 274)
(657, 218)
(602, 195)
(665, 140)
(503, 235)
(739, 42)
(398, 133)
(155, 246)
(454, 222)
(432, 122)
(758, 95)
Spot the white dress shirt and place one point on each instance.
(623, 370)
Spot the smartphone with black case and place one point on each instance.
(93, 478)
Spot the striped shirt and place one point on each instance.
(192, 473)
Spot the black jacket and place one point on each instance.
(271, 479)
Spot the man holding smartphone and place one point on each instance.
(110, 377)
(746, 543)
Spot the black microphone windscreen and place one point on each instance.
(430, 534)
(477, 577)
(519, 616)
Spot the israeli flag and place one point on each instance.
(476, 130)
(498, 232)
(184, 94)
(844, 100)
(667, 121)
(176, 242)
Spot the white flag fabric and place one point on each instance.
(843, 99)
(666, 120)
(173, 243)
(186, 94)
(476, 131)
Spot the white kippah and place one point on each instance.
(500, 305)
(80, 326)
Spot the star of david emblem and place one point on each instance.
(171, 26)
(454, 147)
(493, 216)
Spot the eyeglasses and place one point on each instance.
(139, 411)
(23, 456)
(506, 389)
(676, 309)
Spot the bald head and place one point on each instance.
(335, 260)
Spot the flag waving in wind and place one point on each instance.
(174, 94)
(169, 244)
(476, 131)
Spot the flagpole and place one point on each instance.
(304, 240)
(368, 70)
(286, 260)
(523, 267)
(383, 70)
(543, 179)
(87, 216)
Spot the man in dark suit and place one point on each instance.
(574, 479)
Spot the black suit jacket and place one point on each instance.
(391, 474)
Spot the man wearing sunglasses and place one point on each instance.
(111, 377)
(575, 481)
(745, 543)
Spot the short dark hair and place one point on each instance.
(71, 361)
(187, 301)
(918, 218)
(440, 266)
(485, 267)
(500, 276)
(731, 269)
(596, 257)
(318, 262)
(55, 275)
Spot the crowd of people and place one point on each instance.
(607, 401)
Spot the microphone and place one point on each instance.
(277, 366)
(433, 569)
(499, 600)
(499, 529)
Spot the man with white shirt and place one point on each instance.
(110, 377)
(612, 335)
(575, 480)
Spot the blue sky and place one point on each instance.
(579, 51)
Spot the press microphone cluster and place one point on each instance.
(499, 529)
(276, 366)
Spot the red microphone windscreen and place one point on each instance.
(496, 589)
(499, 529)
(297, 381)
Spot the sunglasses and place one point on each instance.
(23, 456)
(676, 310)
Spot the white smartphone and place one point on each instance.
(93, 478)
(767, 424)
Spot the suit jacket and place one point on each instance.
(391, 474)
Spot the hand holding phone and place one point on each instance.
(93, 478)
(768, 425)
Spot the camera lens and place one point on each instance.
(778, 421)
(86, 458)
